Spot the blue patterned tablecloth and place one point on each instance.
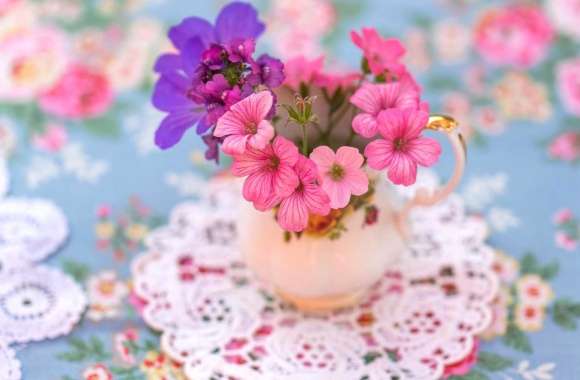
(522, 121)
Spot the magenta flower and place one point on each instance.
(341, 174)
(308, 198)
(402, 146)
(382, 54)
(270, 172)
(375, 98)
(245, 124)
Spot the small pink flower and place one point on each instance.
(53, 139)
(245, 124)
(308, 198)
(97, 372)
(333, 81)
(103, 211)
(515, 35)
(270, 172)
(122, 343)
(80, 93)
(382, 54)
(341, 174)
(402, 146)
(565, 241)
(568, 76)
(137, 302)
(562, 216)
(372, 99)
(302, 70)
(565, 147)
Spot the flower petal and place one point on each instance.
(189, 28)
(235, 144)
(402, 170)
(191, 55)
(357, 181)
(349, 157)
(323, 157)
(338, 193)
(263, 135)
(238, 21)
(173, 126)
(368, 98)
(168, 63)
(229, 124)
(249, 163)
(379, 154)
(170, 93)
(258, 187)
(424, 150)
(285, 181)
(285, 150)
(392, 124)
(316, 199)
(293, 213)
(416, 122)
(365, 125)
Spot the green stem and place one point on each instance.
(304, 141)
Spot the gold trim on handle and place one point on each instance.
(442, 123)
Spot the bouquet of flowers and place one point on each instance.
(301, 137)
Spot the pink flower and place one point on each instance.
(80, 93)
(565, 241)
(382, 54)
(52, 139)
(332, 81)
(97, 372)
(341, 174)
(565, 147)
(122, 342)
(562, 216)
(245, 124)
(308, 198)
(32, 61)
(402, 146)
(568, 76)
(302, 70)
(375, 98)
(565, 15)
(103, 211)
(515, 35)
(270, 172)
(463, 367)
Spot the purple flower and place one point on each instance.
(271, 70)
(199, 83)
(212, 143)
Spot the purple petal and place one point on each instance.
(170, 93)
(168, 63)
(203, 125)
(189, 28)
(191, 55)
(173, 127)
(238, 20)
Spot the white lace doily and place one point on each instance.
(9, 366)
(31, 228)
(36, 302)
(217, 320)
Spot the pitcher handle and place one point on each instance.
(423, 197)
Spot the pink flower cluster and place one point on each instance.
(516, 35)
(384, 100)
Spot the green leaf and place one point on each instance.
(529, 265)
(565, 312)
(78, 271)
(81, 350)
(371, 357)
(517, 339)
(473, 375)
(493, 362)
